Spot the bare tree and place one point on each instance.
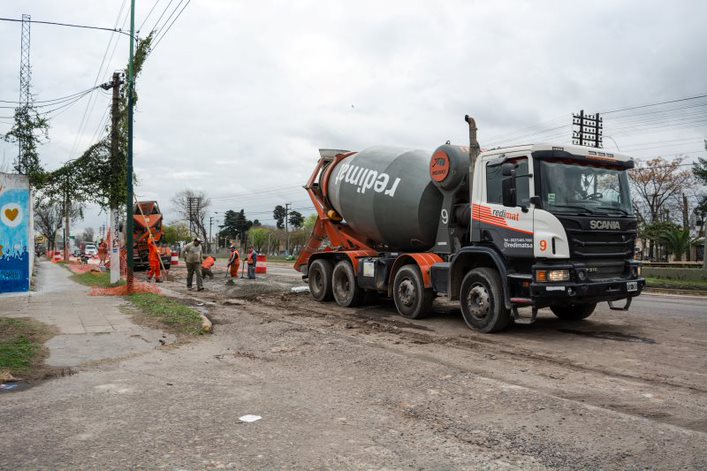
(49, 218)
(88, 235)
(196, 213)
(657, 186)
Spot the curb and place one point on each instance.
(693, 293)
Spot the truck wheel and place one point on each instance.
(574, 312)
(343, 283)
(411, 297)
(481, 300)
(319, 275)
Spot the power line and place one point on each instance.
(154, 26)
(148, 15)
(170, 25)
(654, 104)
(69, 25)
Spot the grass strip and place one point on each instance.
(95, 279)
(21, 346)
(174, 315)
(676, 284)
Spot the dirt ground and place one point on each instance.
(621, 390)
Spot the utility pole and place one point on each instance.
(686, 224)
(287, 229)
(211, 221)
(129, 201)
(115, 170)
(67, 234)
(589, 131)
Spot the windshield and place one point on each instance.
(584, 189)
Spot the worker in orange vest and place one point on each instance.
(154, 258)
(234, 262)
(206, 265)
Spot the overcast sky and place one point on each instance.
(238, 96)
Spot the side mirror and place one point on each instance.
(508, 184)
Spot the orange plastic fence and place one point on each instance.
(138, 288)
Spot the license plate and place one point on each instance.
(632, 286)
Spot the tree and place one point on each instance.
(88, 235)
(30, 130)
(279, 214)
(235, 225)
(657, 187)
(655, 183)
(259, 237)
(678, 242)
(175, 233)
(196, 213)
(309, 222)
(296, 219)
(49, 218)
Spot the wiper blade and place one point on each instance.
(573, 206)
(611, 208)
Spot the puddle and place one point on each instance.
(14, 387)
(608, 335)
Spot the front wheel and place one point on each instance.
(343, 283)
(481, 298)
(412, 299)
(574, 312)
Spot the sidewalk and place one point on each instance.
(90, 328)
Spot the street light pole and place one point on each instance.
(129, 202)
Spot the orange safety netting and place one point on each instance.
(80, 269)
(138, 288)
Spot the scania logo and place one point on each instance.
(598, 224)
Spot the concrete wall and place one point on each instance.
(16, 238)
(692, 274)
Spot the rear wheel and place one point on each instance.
(343, 283)
(412, 299)
(319, 275)
(574, 312)
(481, 298)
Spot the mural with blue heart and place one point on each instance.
(14, 235)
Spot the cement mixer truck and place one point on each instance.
(529, 226)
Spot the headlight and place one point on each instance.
(543, 276)
(558, 275)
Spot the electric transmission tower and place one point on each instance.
(25, 72)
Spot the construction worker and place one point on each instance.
(102, 252)
(206, 266)
(192, 258)
(234, 263)
(154, 259)
(252, 261)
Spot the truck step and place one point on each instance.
(620, 308)
(518, 319)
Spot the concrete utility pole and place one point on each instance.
(115, 170)
(287, 229)
(67, 234)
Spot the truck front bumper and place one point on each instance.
(553, 294)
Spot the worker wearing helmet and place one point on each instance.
(252, 261)
(154, 259)
(234, 262)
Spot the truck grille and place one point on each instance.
(604, 252)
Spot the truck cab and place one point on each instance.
(561, 221)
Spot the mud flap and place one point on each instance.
(620, 308)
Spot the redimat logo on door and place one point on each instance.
(502, 213)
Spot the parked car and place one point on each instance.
(90, 250)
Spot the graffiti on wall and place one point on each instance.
(15, 239)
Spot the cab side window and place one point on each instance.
(494, 177)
